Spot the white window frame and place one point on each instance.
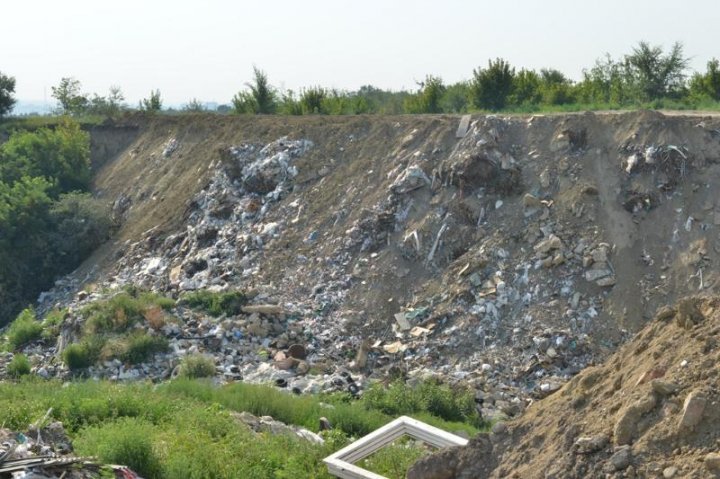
(342, 463)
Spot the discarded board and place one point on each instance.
(341, 463)
(402, 322)
(463, 127)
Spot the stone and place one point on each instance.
(267, 309)
(551, 243)
(664, 388)
(297, 351)
(622, 458)
(670, 472)
(531, 201)
(712, 462)
(606, 281)
(412, 178)
(693, 410)
(596, 274)
(590, 444)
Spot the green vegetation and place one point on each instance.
(186, 429)
(108, 332)
(48, 224)
(153, 103)
(259, 98)
(24, 329)
(122, 311)
(7, 90)
(19, 366)
(228, 302)
(197, 366)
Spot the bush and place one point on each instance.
(197, 366)
(440, 400)
(24, 329)
(127, 441)
(19, 366)
(229, 303)
(122, 311)
(492, 86)
(141, 347)
(82, 355)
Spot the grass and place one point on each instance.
(24, 329)
(122, 311)
(186, 428)
(197, 366)
(229, 303)
(19, 366)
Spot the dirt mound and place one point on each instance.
(510, 258)
(651, 410)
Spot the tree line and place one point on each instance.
(49, 223)
(648, 76)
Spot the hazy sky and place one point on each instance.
(205, 50)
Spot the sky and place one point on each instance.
(206, 50)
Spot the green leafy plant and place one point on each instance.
(19, 366)
(216, 303)
(197, 366)
(24, 329)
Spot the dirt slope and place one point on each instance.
(651, 410)
(509, 258)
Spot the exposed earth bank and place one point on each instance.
(507, 257)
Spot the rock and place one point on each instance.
(441, 465)
(712, 462)
(670, 472)
(596, 274)
(622, 458)
(606, 281)
(664, 388)
(693, 409)
(626, 425)
(531, 201)
(590, 444)
(551, 243)
(412, 178)
(499, 428)
(297, 351)
(268, 309)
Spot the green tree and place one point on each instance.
(605, 82)
(708, 84)
(194, 105)
(261, 97)
(657, 75)
(526, 88)
(555, 88)
(68, 93)
(493, 85)
(61, 155)
(311, 100)
(7, 91)
(153, 103)
(427, 100)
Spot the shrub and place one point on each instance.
(197, 366)
(141, 347)
(24, 329)
(492, 85)
(122, 311)
(229, 302)
(84, 354)
(19, 366)
(127, 441)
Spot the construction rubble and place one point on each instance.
(509, 259)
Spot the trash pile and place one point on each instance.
(508, 259)
(46, 452)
